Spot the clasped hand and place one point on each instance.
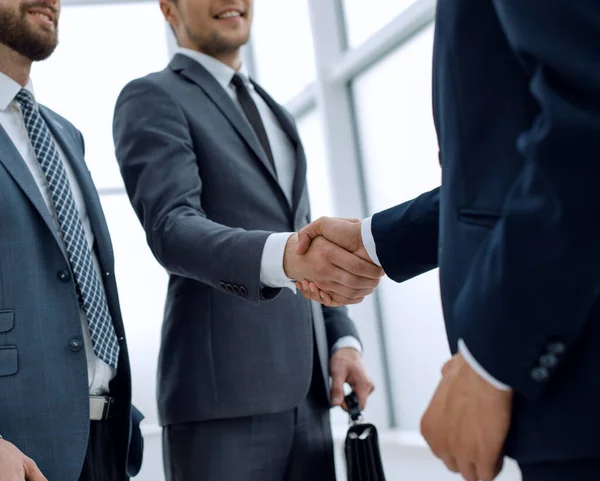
(330, 264)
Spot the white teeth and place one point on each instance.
(230, 14)
(42, 15)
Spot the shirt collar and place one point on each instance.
(221, 72)
(9, 90)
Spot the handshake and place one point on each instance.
(329, 263)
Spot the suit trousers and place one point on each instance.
(575, 470)
(294, 445)
(101, 459)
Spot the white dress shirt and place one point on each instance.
(370, 247)
(11, 120)
(272, 273)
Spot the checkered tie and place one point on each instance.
(102, 331)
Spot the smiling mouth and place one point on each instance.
(229, 14)
(47, 18)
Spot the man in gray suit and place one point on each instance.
(65, 387)
(216, 173)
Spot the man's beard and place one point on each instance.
(17, 34)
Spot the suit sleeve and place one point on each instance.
(406, 236)
(338, 325)
(533, 284)
(156, 156)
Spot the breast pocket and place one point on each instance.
(9, 358)
(479, 218)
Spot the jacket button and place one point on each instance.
(229, 288)
(223, 286)
(75, 344)
(237, 290)
(539, 374)
(243, 291)
(548, 360)
(63, 275)
(556, 347)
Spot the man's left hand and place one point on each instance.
(346, 366)
(467, 422)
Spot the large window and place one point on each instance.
(318, 179)
(283, 48)
(97, 55)
(399, 150)
(364, 19)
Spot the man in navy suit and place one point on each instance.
(515, 231)
(65, 382)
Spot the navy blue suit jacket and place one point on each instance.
(515, 225)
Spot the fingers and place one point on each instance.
(32, 472)
(308, 233)
(338, 376)
(312, 292)
(488, 469)
(470, 469)
(363, 389)
(344, 232)
(356, 267)
(467, 470)
(335, 280)
(450, 462)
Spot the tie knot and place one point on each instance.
(238, 81)
(25, 99)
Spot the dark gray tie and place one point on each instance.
(253, 115)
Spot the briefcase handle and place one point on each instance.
(353, 407)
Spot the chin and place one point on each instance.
(237, 40)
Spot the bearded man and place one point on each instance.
(65, 383)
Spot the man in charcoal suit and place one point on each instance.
(216, 173)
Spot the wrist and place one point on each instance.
(289, 258)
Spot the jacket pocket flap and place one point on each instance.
(483, 218)
(7, 320)
(9, 360)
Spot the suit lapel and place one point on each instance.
(290, 129)
(90, 195)
(199, 75)
(17, 168)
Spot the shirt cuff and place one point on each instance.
(347, 342)
(271, 264)
(368, 240)
(462, 348)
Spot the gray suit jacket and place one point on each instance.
(44, 393)
(208, 199)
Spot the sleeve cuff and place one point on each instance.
(347, 342)
(368, 240)
(271, 264)
(462, 348)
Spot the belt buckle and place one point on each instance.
(100, 413)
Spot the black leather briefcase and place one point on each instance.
(363, 457)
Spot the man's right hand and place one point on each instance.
(15, 466)
(345, 233)
(331, 267)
